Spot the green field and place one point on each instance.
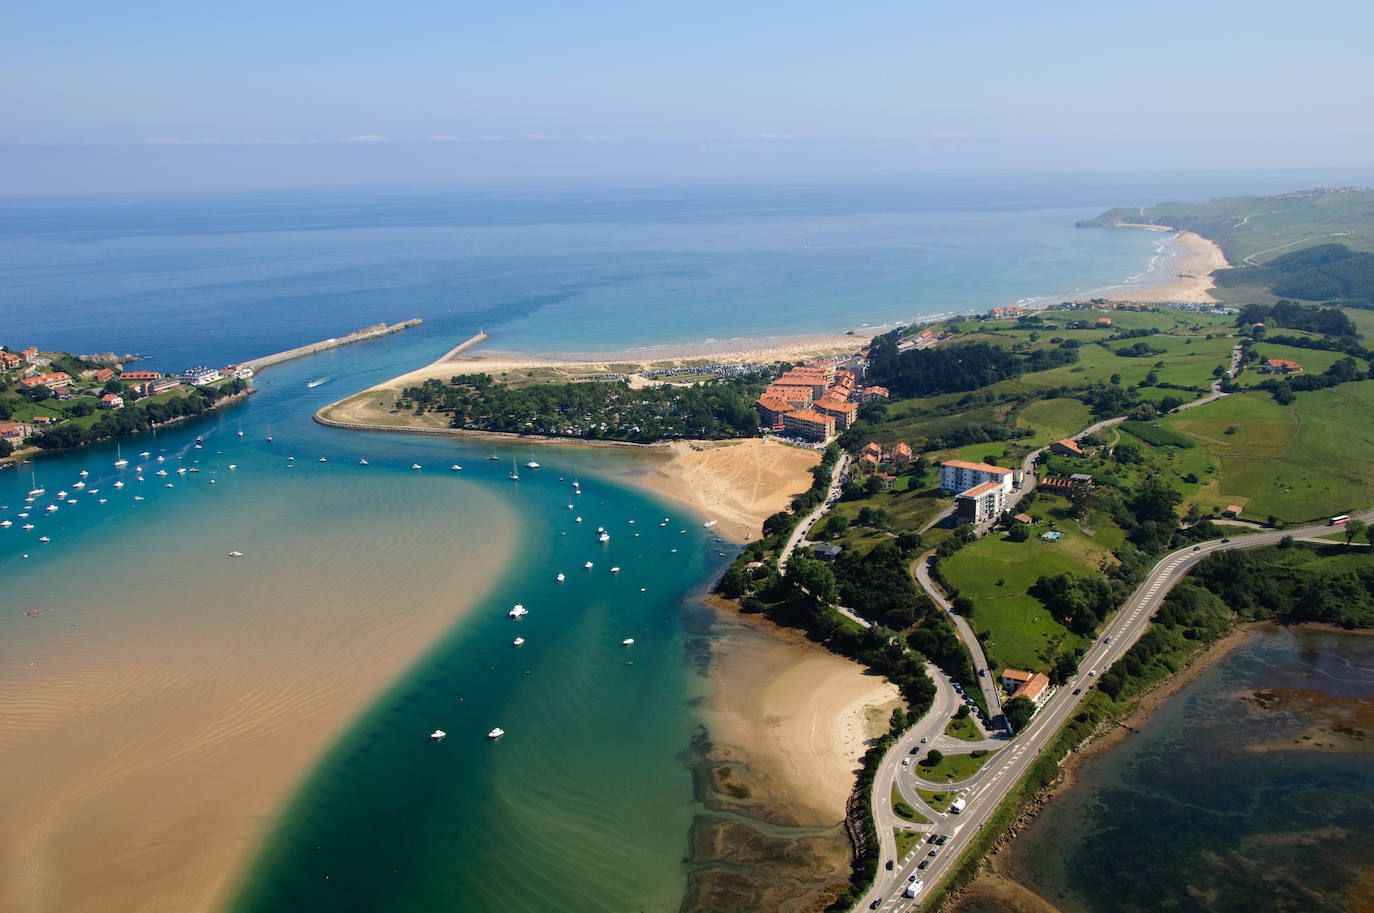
(1055, 419)
(1313, 361)
(1014, 627)
(906, 840)
(940, 800)
(965, 729)
(1364, 323)
(1302, 462)
(904, 811)
(954, 767)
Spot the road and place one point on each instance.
(985, 791)
(831, 496)
(986, 683)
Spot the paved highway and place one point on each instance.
(799, 533)
(984, 792)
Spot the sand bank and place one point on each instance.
(1192, 270)
(737, 483)
(147, 748)
(797, 715)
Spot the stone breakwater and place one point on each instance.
(363, 335)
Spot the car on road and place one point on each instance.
(911, 877)
(924, 740)
(1091, 673)
(889, 865)
(875, 904)
(932, 838)
(906, 762)
(1197, 548)
(914, 888)
(943, 839)
(923, 863)
(1107, 640)
(982, 673)
(1078, 691)
(934, 852)
(1224, 541)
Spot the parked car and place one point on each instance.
(889, 865)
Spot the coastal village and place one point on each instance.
(44, 391)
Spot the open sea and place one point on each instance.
(586, 803)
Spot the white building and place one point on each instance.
(980, 503)
(960, 476)
(198, 376)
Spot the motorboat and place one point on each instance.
(61, 496)
(492, 456)
(588, 565)
(456, 468)
(323, 460)
(578, 519)
(145, 454)
(362, 462)
(437, 735)
(119, 484)
(518, 612)
(8, 523)
(27, 526)
(710, 523)
(496, 733)
(615, 570)
(233, 465)
(84, 473)
(79, 485)
(52, 508)
(559, 578)
(236, 554)
(604, 537)
(414, 465)
(628, 642)
(138, 497)
(181, 470)
(518, 642)
(44, 539)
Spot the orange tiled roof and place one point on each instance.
(981, 467)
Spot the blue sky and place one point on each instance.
(1278, 82)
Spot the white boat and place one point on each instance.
(496, 733)
(93, 491)
(576, 484)
(102, 500)
(518, 642)
(240, 432)
(181, 470)
(560, 576)
(362, 462)
(518, 612)
(44, 539)
(27, 526)
(161, 458)
(615, 570)
(8, 523)
(628, 642)
(532, 462)
(61, 495)
(145, 454)
(323, 460)
(71, 500)
(456, 468)
(493, 456)
(514, 473)
(588, 565)
(84, 473)
(162, 472)
(52, 508)
(604, 537)
(233, 465)
(710, 523)
(138, 497)
(319, 380)
(119, 484)
(414, 465)
(35, 491)
(169, 484)
(437, 735)
(120, 462)
(236, 554)
(578, 519)
(79, 485)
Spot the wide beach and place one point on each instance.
(1191, 264)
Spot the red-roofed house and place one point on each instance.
(1013, 679)
(842, 412)
(812, 426)
(58, 380)
(15, 432)
(771, 410)
(871, 393)
(872, 449)
(868, 464)
(31, 355)
(1066, 447)
(901, 455)
(112, 401)
(9, 361)
(1035, 690)
(135, 376)
(1281, 366)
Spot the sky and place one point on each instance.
(918, 84)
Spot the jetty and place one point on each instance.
(462, 347)
(364, 335)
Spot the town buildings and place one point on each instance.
(811, 426)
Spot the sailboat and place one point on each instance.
(120, 462)
(35, 491)
(514, 473)
(533, 464)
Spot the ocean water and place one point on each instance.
(191, 279)
(586, 802)
(1221, 803)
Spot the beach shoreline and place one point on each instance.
(1191, 264)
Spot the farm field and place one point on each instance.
(1308, 460)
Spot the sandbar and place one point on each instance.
(148, 749)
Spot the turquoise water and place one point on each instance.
(586, 803)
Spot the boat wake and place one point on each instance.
(319, 380)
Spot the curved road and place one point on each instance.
(985, 791)
(831, 496)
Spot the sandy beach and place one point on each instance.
(150, 734)
(1192, 271)
(798, 716)
(737, 483)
